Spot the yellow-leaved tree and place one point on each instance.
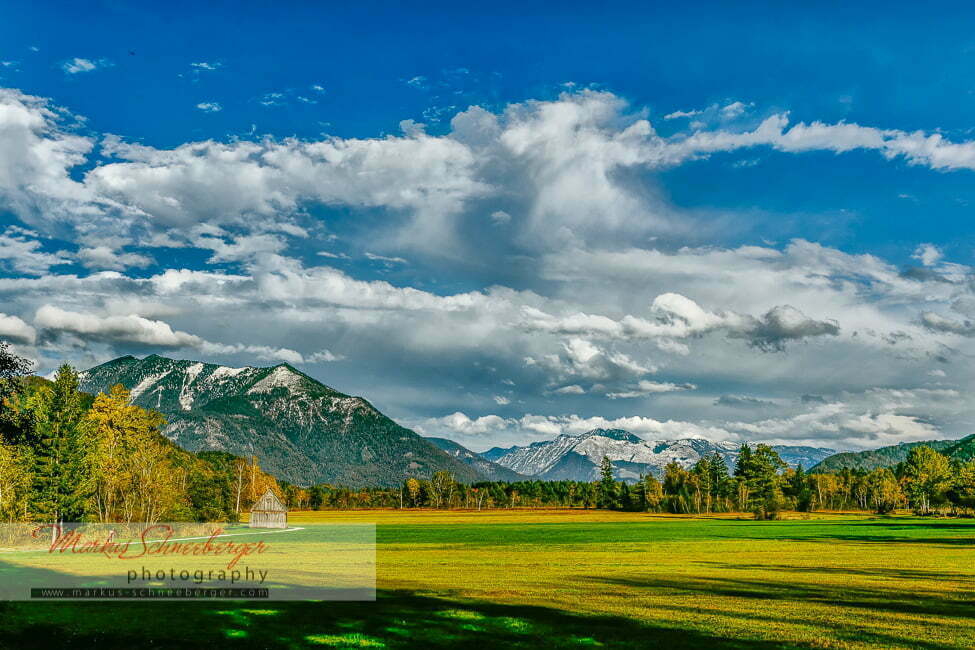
(250, 484)
(15, 482)
(133, 476)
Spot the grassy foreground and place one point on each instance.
(571, 579)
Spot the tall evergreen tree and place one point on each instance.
(743, 462)
(759, 474)
(799, 489)
(607, 485)
(58, 455)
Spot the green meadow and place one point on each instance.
(582, 579)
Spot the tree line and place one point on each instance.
(760, 482)
(926, 482)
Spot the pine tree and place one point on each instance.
(743, 462)
(607, 485)
(58, 455)
(799, 489)
(762, 475)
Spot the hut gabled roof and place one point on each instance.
(269, 503)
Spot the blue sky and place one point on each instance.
(310, 183)
(899, 68)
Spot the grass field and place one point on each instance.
(571, 579)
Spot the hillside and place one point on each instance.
(489, 470)
(875, 458)
(963, 449)
(577, 457)
(301, 430)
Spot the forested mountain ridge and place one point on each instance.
(963, 449)
(300, 429)
(871, 459)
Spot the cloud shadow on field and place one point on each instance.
(880, 572)
(398, 619)
(843, 595)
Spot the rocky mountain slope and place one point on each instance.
(578, 457)
(494, 453)
(301, 430)
(489, 470)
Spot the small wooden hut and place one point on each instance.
(269, 512)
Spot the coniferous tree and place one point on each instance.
(797, 487)
(759, 472)
(607, 485)
(58, 454)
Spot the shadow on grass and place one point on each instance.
(897, 601)
(946, 542)
(397, 619)
(881, 530)
(835, 630)
(879, 572)
(895, 523)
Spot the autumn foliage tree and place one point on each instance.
(883, 490)
(130, 477)
(927, 478)
(15, 480)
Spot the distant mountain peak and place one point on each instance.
(613, 434)
(282, 376)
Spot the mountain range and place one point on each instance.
(301, 430)
(578, 457)
(305, 432)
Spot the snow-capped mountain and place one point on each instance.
(300, 429)
(578, 457)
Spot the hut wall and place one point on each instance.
(264, 519)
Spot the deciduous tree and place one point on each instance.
(927, 477)
(884, 492)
